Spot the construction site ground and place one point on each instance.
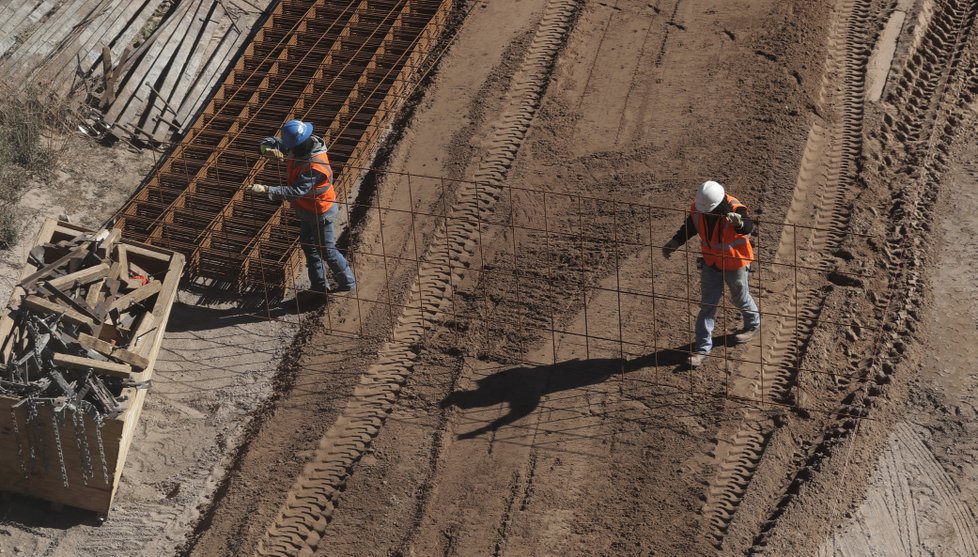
(852, 116)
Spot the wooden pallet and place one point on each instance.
(29, 445)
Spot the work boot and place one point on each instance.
(744, 336)
(696, 359)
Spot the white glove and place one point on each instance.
(271, 152)
(735, 219)
(258, 188)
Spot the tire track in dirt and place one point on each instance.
(826, 164)
(313, 497)
(919, 501)
(921, 124)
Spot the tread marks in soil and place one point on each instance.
(310, 503)
(924, 100)
(827, 164)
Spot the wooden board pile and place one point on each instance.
(147, 66)
(78, 340)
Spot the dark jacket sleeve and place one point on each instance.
(747, 226)
(302, 185)
(685, 232)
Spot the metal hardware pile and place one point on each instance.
(73, 322)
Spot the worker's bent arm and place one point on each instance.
(302, 185)
(747, 225)
(685, 232)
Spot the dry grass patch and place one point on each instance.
(34, 134)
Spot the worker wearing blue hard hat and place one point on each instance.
(310, 191)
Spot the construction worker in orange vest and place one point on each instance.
(311, 194)
(723, 227)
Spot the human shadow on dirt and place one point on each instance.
(522, 388)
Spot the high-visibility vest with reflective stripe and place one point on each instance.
(320, 198)
(723, 247)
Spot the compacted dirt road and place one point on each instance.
(834, 121)
(511, 382)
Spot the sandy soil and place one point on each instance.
(214, 369)
(475, 430)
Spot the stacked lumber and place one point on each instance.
(156, 91)
(78, 341)
(56, 44)
(146, 66)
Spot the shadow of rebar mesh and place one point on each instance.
(512, 275)
(562, 278)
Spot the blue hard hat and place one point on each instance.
(294, 132)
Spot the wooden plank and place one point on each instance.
(83, 276)
(122, 29)
(6, 332)
(113, 369)
(107, 241)
(65, 33)
(117, 30)
(46, 482)
(161, 313)
(206, 78)
(102, 33)
(31, 54)
(128, 62)
(147, 325)
(112, 351)
(15, 21)
(95, 292)
(182, 49)
(48, 307)
(108, 86)
(138, 295)
(145, 70)
(152, 254)
(48, 269)
(67, 59)
(122, 258)
(63, 298)
(25, 17)
(136, 397)
(174, 85)
(161, 65)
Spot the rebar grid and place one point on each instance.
(603, 258)
(347, 67)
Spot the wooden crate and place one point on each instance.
(31, 439)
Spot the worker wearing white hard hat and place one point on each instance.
(723, 225)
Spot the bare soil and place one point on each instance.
(483, 432)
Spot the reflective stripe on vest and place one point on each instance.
(731, 250)
(320, 198)
(721, 246)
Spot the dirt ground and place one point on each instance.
(215, 368)
(474, 429)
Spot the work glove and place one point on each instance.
(735, 219)
(270, 151)
(258, 188)
(669, 248)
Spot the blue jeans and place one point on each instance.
(316, 237)
(712, 293)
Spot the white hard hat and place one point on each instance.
(709, 196)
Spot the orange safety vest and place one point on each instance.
(320, 198)
(723, 247)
